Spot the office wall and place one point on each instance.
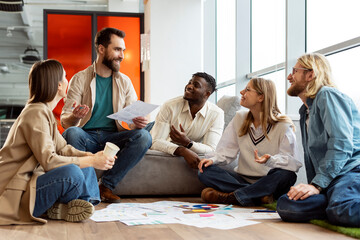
(175, 29)
(124, 6)
(14, 86)
(175, 45)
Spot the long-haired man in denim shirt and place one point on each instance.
(330, 129)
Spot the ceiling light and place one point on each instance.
(8, 31)
(4, 68)
(11, 5)
(30, 56)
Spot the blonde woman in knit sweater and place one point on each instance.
(264, 143)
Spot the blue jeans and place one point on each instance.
(133, 145)
(64, 184)
(339, 203)
(277, 182)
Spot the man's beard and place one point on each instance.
(110, 64)
(295, 90)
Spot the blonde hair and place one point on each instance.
(270, 113)
(321, 72)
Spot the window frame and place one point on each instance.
(295, 44)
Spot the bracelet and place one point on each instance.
(317, 187)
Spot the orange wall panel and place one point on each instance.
(69, 41)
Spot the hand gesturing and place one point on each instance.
(80, 111)
(179, 137)
(263, 159)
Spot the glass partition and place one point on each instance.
(69, 38)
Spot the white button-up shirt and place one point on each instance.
(204, 130)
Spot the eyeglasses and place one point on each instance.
(247, 89)
(294, 70)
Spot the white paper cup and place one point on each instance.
(110, 149)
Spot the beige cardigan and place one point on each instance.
(82, 90)
(33, 147)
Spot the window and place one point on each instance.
(279, 79)
(267, 36)
(268, 44)
(268, 33)
(345, 67)
(225, 40)
(228, 90)
(225, 47)
(331, 25)
(330, 22)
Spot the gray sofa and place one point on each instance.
(159, 173)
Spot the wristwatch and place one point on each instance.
(190, 144)
(317, 187)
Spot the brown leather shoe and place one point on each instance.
(267, 199)
(107, 195)
(211, 195)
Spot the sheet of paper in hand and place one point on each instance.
(137, 109)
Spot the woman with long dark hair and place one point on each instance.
(39, 172)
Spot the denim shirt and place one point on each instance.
(332, 142)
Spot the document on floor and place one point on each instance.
(200, 215)
(137, 109)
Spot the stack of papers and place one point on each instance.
(200, 215)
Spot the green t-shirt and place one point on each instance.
(103, 106)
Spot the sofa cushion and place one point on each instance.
(230, 105)
(159, 173)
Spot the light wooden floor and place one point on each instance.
(267, 229)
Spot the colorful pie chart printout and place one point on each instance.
(206, 206)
